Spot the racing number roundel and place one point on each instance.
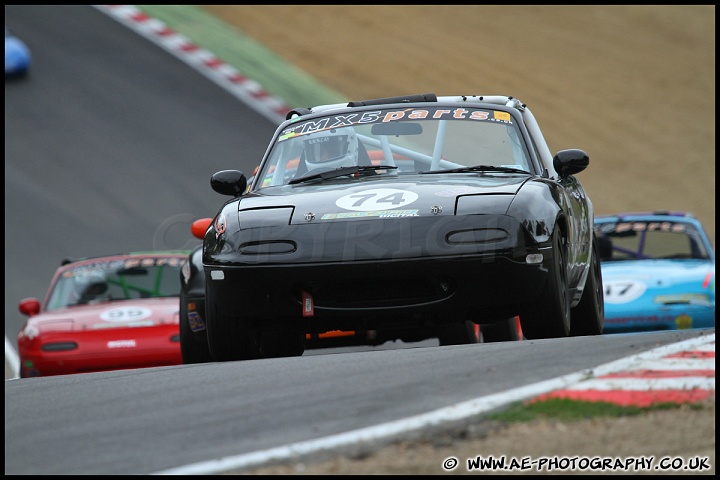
(376, 199)
(125, 314)
(623, 291)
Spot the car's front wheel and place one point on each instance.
(549, 317)
(229, 338)
(193, 345)
(588, 317)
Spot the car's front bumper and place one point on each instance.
(667, 317)
(401, 272)
(62, 353)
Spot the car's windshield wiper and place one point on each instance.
(480, 168)
(340, 172)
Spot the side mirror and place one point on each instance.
(229, 182)
(29, 306)
(570, 162)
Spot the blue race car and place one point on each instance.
(17, 56)
(658, 271)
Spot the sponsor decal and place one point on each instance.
(643, 226)
(110, 267)
(696, 298)
(639, 319)
(121, 344)
(683, 322)
(197, 324)
(386, 116)
(380, 214)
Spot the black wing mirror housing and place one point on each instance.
(571, 161)
(229, 182)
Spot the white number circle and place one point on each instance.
(623, 291)
(125, 314)
(376, 199)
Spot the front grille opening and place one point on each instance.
(364, 293)
(58, 346)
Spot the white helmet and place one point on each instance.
(91, 288)
(333, 148)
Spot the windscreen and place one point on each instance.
(415, 140)
(122, 279)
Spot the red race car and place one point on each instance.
(105, 313)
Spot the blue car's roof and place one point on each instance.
(658, 213)
(660, 216)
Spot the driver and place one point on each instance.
(331, 149)
(91, 288)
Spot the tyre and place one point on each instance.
(229, 338)
(588, 316)
(458, 334)
(502, 331)
(193, 345)
(549, 317)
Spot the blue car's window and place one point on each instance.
(632, 240)
(117, 280)
(413, 140)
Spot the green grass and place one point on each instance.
(275, 74)
(569, 410)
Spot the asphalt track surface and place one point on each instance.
(110, 144)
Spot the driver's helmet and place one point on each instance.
(332, 148)
(91, 288)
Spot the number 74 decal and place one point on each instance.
(376, 199)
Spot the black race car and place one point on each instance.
(411, 217)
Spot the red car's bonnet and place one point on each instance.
(122, 314)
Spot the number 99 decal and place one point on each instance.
(125, 314)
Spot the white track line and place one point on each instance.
(455, 412)
(11, 357)
(226, 76)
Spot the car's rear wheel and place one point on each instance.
(502, 331)
(458, 334)
(549, 317)
(588, 316)
(193, 345)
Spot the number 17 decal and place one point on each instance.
(623, 291)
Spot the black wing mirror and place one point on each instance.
(570, 162)
(229, 182)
